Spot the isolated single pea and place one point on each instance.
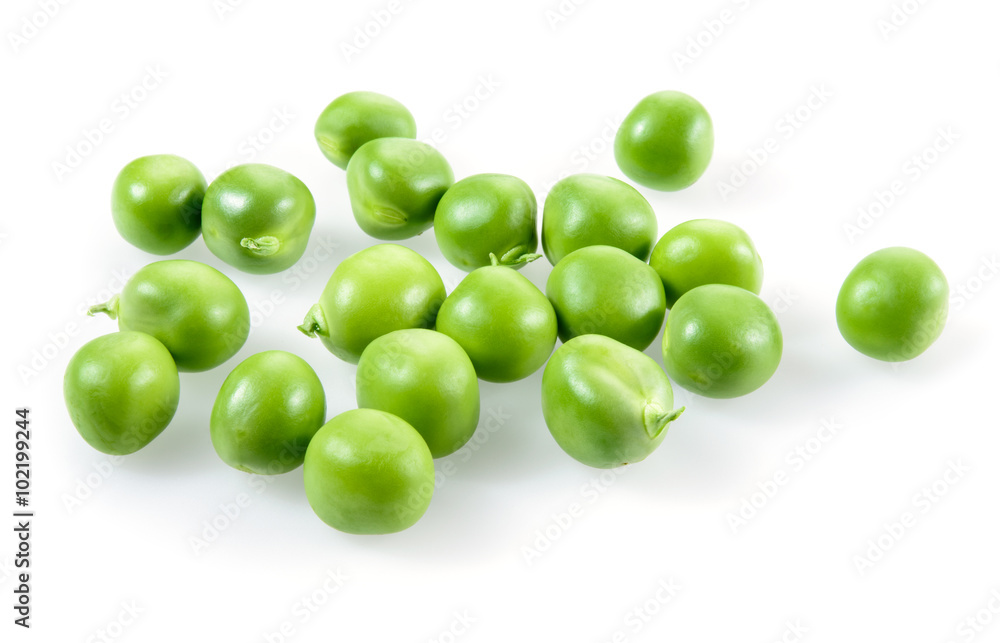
(893, 304)
(721, 341)
(425, 378)
(368, 472)
(665, 142)
(589, 210)
(266, 412)
(395, 185)
(156, 203)
(502, 321)
(355, 118)
(606, 404)
(121, 391)
(375, 291)
(257, 218)
(487, 214)
(196, 311)
(706, 251)
(607, 291)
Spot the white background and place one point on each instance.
(112, 533)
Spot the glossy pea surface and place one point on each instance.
(502, 321)
(267, 410)
(589, 209)
(368, 472)
(197, 312)
(156, 203)
(375, 291)
(607, 291)
(606, 404)
(665, 142)
(394, 185)
(893, 305)
(487, 214)
(706, 251)
(121, 391)
(425, 378)
(721, 341)
(355, 118)
(257, 218)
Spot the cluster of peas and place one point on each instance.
(420, 352)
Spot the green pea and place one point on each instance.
(266, 412)
(375, 291)
(606, 404)
(395, 185)
(665, 142)
(196, 311)
(156, 203)
(257, 218)
(607, 291)
(355, 118)
(368, 472)
(121, 391)
(487, 214)
(589, 210)
(721, 341)
(505, 324)
(893, 304)
(706, 251)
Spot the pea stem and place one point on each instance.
(315, 323)
(261, 246)
(655, 419)
(109, 308)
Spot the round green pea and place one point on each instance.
(502, 321)
(721, 341)
(665, 142)
(607, 291)
(425, 378)
(893, 304)
(395, 185)
(121, 391)
(375, 291)
(355, 118)
(589, 210)
(196, 311)
(156, 203)
(257, 218)
(487, 214)
(368, 472)
(606, 404)
(706, 251)
(266, 412)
